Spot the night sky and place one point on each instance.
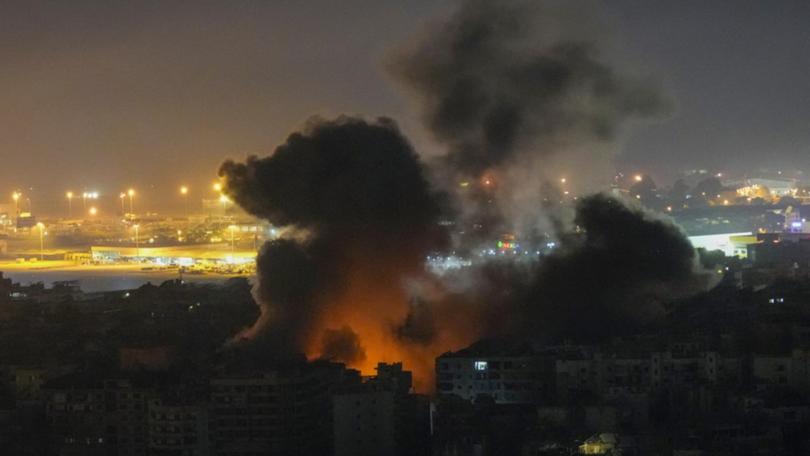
(105, 95)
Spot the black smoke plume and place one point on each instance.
(516, 91)
(498, 76)
(612, 274)
(364, 217)
(290, 279)
(519, 91)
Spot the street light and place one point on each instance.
(86, 196)
(69, 196)
(137, 244)
(93, 211)
(232, 228)
(131, 194)
(41, 227)
(16, 197)
(224, 200)
(184, 194)
(121, 196)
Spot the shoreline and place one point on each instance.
(99, 278)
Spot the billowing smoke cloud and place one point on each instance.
(364, 215)
(519, 92)
(613, 276)
(515, 91)
(290, 279)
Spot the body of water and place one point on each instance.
(99, 280)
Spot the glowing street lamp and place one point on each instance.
(93, 211)
(16, 197)
(224, 200)
(121, 196)
(69, 196)
(41, 227)
(184, 194)
(638, 178)
(86, 196)
(217, 187)
(131, 194)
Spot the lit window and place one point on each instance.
(481, 365)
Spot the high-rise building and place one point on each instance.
(382, 416)
(284, 410)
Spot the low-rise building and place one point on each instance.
(507, 374)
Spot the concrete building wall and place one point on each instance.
(364, 423)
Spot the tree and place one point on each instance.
(646, 191)
(787, 201)
(708, 188)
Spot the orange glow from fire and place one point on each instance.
(372, 304)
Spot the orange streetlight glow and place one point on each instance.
(131, 194)
(69, 196)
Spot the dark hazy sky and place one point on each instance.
(106, 95)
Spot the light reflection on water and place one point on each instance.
(92, 281)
